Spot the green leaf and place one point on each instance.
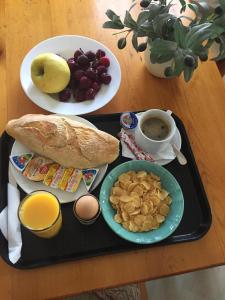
(179, 62)
(141, 33)
(154, 10)
(129, 21)
(159, 23)
(146, 29)
(194, 8)
(163, 46)
(143, 16)
(111, 15)
(179, 33)
(110, 24)
(217, 30)
(164, 58)
(162, 50)
(135, 41)
(183, 8)
(195, 35)
(188, 71)
(182, 2)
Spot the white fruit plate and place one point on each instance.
(65, 46)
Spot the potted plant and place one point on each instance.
(170, 44)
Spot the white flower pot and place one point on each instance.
(155, 69)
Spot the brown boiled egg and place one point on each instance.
(86, 207)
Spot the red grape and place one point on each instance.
(77, 53)
(105, 61)
(80, 95)
(101, 69)
(72, 64)
(78, 74)
(95, 64)
(83, 61)
(65, 95)
(85, 82)
(91, 56)
(106, 78)
(90, 94)
(90, 73)
(100, 53)
(96, 86)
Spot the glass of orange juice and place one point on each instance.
(40, 213)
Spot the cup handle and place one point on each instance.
(169, 112)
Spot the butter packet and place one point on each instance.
(89, 176)
(51, 174)
(66, 179)
(63, 183)
(74, 181)
(20, 161)
(57, 177)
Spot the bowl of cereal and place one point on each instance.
(141, 202)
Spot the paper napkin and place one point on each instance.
(10, 225)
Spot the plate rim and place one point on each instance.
(41, 43)
(120, 232)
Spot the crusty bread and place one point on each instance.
(67, 142)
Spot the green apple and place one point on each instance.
(50, 72)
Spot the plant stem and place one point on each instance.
(128, 30)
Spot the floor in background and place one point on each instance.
(201, 285)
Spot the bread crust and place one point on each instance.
(65, 141)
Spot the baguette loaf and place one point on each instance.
(67, 142)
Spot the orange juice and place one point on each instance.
(40, 213)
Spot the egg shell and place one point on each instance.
(87, 207)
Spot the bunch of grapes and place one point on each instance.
(88, 72)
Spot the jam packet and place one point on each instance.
(37, 168)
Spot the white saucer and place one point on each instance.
(177, 141)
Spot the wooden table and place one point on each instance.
(200, 104)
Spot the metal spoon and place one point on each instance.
(180, 156)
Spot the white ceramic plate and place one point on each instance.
(64, 197)
(66, 45)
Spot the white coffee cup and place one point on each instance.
(151, 145)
